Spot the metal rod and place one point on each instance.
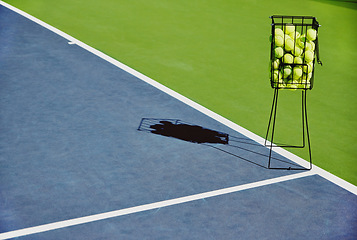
(274, 119)
(271, 113)
(303, 106)
(307, 131)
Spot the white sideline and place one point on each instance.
(147, 207)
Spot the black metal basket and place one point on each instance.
(294, 49)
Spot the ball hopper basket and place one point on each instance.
(294, 51)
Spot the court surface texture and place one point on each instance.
(82, 157)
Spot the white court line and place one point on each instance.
(316, 170)
(147, 207)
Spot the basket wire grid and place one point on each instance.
(292, 52)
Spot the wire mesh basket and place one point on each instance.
(294, 49)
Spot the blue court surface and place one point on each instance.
(85, 154)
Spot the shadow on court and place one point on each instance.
(240, 147)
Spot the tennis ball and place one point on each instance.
(301, 41)
(308, 67)
(288, 58)
(294, 35)
(308, 56)
(275, 64)
(303, 38)
(279, 32)
(289, 44)
(311, 34)
(312, 46)
(298, 60)
(289, 28)
(297, 51)
(287, 36)
(292, 85)
(279, 52)
(287, 71)
(306, 76)
(308, 46)
(277, 75)
(279, 41)
(297, 72)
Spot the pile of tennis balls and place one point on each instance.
(292, 63)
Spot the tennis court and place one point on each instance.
(80, 157)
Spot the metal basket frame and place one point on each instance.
(302, 23)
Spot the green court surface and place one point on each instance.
(217, 53)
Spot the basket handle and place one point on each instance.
(317, 51)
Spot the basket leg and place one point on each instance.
(307, 128)
(271, 130)
(272, 120)
(270, 117)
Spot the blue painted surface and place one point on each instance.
(69, 147)
(308, 208)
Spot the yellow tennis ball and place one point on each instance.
(287, 71)
(279, 32)
(288, 58)
(289, 28)
(298, 60)
(297, 72)
(312, 46)
(308, 67)
(297, 51)
(311, 34)
(309, 56)
(307, 76)
(278, 40)
(275, 64)
(292, 85)
(294, 35)
(301, 41)
(308, 46)
(289, 44)
(279, 52)
(277, 75)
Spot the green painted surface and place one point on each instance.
(216, 53)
